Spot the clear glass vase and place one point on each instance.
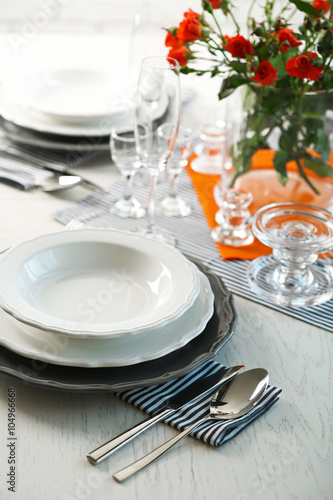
(287, 147)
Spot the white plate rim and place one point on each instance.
(14, 113)
(16, 89)
(53, 351)
(101, 234)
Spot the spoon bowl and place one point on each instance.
(59, 182)
(231, 401)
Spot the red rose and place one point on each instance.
(302, 67)
(321, 4)
(265, 74)
(180, 54)
(215, 3)
(287, 39)
(190, 29)
(238, 46)
(172, 41)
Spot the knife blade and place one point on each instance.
(186, 396)
(48, 167)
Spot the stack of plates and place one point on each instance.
(108, 299)
(65, 108)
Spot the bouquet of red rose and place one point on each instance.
(287, 74)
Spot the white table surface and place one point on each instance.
(287, 454)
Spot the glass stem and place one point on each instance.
(128, 186)
(151, 200)
(173, 185)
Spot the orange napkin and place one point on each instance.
(265, 189)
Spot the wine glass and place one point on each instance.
(157, 102)
(126, 158)
(173, 204)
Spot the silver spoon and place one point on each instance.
(232, 400)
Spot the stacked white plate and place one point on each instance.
(103, 297)
(67, 102)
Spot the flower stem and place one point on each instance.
(307, 180)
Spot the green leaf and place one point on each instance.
(241, 154)
(272, 103)
(173, 30)
(280, 161)
(261, 49)
(288, 139)
(305, 7)
(273, 49)
(238, 66)
(325, 45)
(318, 166)
(231, 83)
(214, 72)
(186, 70)
(322, 145)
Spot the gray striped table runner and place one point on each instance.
(193, 238)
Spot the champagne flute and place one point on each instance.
(157, 102)
(127, 160)
(173, 205)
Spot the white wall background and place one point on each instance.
(92, 15)
(80, 15)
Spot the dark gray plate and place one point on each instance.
(217, 332)
(23, 135)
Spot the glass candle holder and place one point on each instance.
(298, 233)
(234, 219)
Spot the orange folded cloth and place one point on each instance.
(263, 184)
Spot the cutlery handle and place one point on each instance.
(102, 452)
(13, 180)
(135, 467)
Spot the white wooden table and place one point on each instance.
(285, 455)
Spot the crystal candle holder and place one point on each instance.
(298, 233)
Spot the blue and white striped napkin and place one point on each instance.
(215, 433)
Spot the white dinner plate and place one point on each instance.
(121, 351)
(71, 95)
(39, 122)
(96, 283)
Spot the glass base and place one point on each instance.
(126, 208)
(264, 271)
(173, 207)
(219, 217)
(158, 234)
(231, 237)
(5, 243)
(209, 165)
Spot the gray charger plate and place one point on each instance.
(28, 137)
(217, 332)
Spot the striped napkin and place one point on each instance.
(151, 399)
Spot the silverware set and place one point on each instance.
(28, 171)
(234, 395)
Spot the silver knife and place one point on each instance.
(27, 160)
(184, 397)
